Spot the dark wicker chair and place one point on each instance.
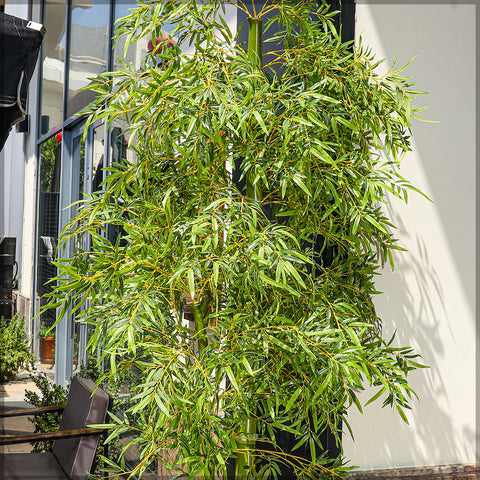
(74, 443)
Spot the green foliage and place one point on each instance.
(50, 156)
(14, 348)
(115, 386)
(46, 331)
(282, 338)
(50, 394)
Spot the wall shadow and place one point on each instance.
(430, 297)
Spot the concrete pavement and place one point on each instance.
(12, 396)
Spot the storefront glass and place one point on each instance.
(53, 66)
(135, 53)
(77, 48)
(89, 45)
(47, 239)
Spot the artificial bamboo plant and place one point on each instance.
(279, 275)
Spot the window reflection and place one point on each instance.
(118, 154)
(78, 162)
(53, 65)
(119, 144)
(97, 154)
(137, 52)
(88, 50)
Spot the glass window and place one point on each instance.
(78, 190)
(53, 66)
(135, 53)
(97, 158)
(47, 238)
(89, 46)
(119, 151)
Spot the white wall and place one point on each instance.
(430, 298)
(30, 180)
(12, 169)
(17, 204)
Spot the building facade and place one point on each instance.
(430, 298)
(53, 164)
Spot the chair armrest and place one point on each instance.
(31, 411)
(58, 435)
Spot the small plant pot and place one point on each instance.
(6, 376)
(47, 349)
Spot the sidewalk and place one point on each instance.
(12, 396)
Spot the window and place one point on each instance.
(53, 66)
(47, 235)
(135, 53)
(88, 55)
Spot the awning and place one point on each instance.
(20, 42)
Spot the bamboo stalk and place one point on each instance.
(255, 57)
(255, 41)
(199, 328)
(244, 459)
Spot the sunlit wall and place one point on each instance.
(430, 297)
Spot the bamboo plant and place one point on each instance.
(278, 276)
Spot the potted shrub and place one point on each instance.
(277, 274)
(47, 344)
(14, 348)
(46, 394)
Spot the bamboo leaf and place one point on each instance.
(293, 399)
(375, 396)
(260, 122)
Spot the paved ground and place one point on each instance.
(12, 395)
